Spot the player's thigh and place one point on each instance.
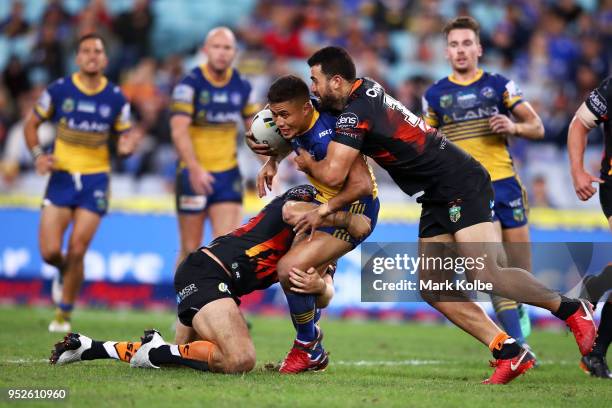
(433, 247)
(224, 217)
(191, 229)
(322, 249)
(85, 225)
(53, 223)
(222, 323)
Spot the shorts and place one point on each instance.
(605, 197)
(367, 206)
(511, 207)
(470, 207)
(74, 190)
(200, 280)
(227, 187)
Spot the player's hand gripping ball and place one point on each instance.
(265, 131)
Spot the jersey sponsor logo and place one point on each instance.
(186, 292)
(446, 100)
(597, 104)
(100, 198)
(44, 101)
(513, 90)
(236, 98)
(516, 203)
(488, 92)
(87, 126)
(325, 133)
(105, 110)
(220, 97)
(479, 113)
(183, 93)
(223, 117)
(376, 90)
(68, 105)
(467, 100)
(86, 106)
(347, 120)
(223, 288)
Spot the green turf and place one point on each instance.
(360, 373)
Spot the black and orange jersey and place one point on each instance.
(599, 102)
(252, 251)
(416, 156)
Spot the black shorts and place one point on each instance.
(199, 280)
(605, 197)
(447, 217)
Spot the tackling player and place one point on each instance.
(209, 284)
(206, 107)
(87, 110)
(456, 205)
(307, 128)
(472, 107)
(593, 112)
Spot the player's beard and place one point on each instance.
(331, 102)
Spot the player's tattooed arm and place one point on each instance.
(334, 169)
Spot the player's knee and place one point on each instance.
(77, 249)
(51, 255)
(283, 267)
(240, 363)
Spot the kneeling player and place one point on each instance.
(209, 283)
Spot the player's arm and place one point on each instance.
(201, 180)
(528, 124)
(358, 184)
(43, 162)
(128, 142)
(583, 121)
(357, 225)
(334, 169)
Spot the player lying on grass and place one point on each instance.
(305, 127)
(209, 284)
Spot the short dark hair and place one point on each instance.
(288, 88)
(466, 22)
(334, 61)
(90, 36)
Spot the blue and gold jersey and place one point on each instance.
(461, 110)
(215, 109)
(315, 140)
(85, 119)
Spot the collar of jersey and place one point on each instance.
(226, 77)
(315, 117)
(356, 85)
(81, 86)
(479, 74)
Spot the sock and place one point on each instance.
(302, 308)
(504, 347)
(604, 332)
(164, 355)
(596, 286)
(567, 308)
(508, 315)
(118, 350)
(63, 312)
(197, 350)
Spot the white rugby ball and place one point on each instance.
(265, 131)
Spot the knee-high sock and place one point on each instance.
(604, 332)
(508, 315)
(302, 309)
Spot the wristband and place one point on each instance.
(37, 151)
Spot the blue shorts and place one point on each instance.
(227, 187)
(89, 191)
(511, 205)
(367, 206)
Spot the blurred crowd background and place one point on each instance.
(556, 51)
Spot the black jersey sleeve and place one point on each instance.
(599, 100)
(353, 124)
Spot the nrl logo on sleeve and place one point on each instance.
(347, 120)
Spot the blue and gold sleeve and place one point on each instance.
(182, 98)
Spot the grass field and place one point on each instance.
(372, 365)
